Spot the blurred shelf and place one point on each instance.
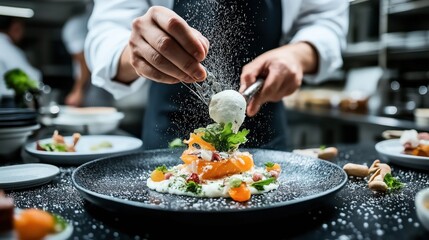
(362, 49)
(353, 118)
(356, 2)
(410, 7)
(408, 53)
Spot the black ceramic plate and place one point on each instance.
(118, 184)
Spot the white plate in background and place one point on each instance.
(26, 175)
(83, 154)
(392, 151)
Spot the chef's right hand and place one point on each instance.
(163, 48)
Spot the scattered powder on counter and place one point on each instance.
(365, 206)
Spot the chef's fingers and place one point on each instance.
(249, 73)
(268, 91)
(145, 69)
(177, 28)
(168, 56)
(282, 80)
(254, 105)
(204, 41)
(142, 49)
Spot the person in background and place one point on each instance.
(12, 31)
(167, 42)
(83, 93)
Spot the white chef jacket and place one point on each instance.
(11, 56)
(323, 23)
(74, 33)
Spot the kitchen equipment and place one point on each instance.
(210, 86)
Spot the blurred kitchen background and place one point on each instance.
(383, 82)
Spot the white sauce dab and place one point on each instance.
(176, 184)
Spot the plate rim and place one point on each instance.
(79, 158)
(29, 182)
(32, 127)
(86, 192)
(404, 160)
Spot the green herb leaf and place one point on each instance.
(222, 137)
(60, 223)
(54, 147)
(162, 168)
(193, 187)
(259, 185)
(392, 182)
(322, 147)
(269, 164)
(176, 143)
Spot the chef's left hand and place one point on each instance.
(282, 68)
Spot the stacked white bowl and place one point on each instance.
(88, 120)
(16, 125)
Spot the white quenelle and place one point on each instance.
(228, 106)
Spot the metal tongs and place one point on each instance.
(253, 89)
(205, 95)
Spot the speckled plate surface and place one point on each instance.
(118, 184)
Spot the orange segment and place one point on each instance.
(219, 169)
(240, 194)
(187, 157)
(157, 176)
(34, 224)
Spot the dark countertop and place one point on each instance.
(354, 213)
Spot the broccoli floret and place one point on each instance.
(19, 81)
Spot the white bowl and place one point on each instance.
(92, 125)
(88, 113)
(14, 138)
(422, 207)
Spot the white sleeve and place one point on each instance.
(324, 24)
(109, 30)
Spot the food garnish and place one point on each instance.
(222, 137)
(379, 174)
(322, 152)
(392, 182)
(213, 166)
(58, 144)
(415, 143)
(176, 143)
(101, 145)
(33, 223)
(259, 185)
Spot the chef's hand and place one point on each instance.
(164, 48)
(282, 68)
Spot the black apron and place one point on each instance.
(238, 32)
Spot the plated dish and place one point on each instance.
(118, 183)
(26, 226)
(85, 150)
(26, 175)
(392, 150)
